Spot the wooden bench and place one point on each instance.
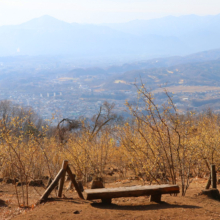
(155, 191)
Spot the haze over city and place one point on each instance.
(71, 56)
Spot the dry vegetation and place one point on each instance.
(156, 145)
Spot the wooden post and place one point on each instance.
(62, 179)
(52, 186)
(213, 176)
(72, 177)
(79, 183)
(208, 184)
(155, 198)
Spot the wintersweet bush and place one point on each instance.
(158, 144)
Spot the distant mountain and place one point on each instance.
(49, 36)
(170, 25)
(134, 40)
(195, 32)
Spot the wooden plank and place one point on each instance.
(52, 186)
(62, 179)
(208, 184)
(133, 191)
(213, 177)
(129, 188)
(72, 177)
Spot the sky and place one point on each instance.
(102, 11)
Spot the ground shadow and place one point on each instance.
(2, 203)
(211, 194)
(162, 205)
(70, 200)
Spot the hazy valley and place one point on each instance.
(60, 85)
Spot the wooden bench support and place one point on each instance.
(72, 178)
(107, 201)
(155, 198)
(52, 186)
(60, 177)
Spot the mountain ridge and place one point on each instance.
(50, 36)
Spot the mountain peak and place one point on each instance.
(45, 21)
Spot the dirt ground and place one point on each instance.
(192, 206)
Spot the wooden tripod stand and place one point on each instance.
(60, 177)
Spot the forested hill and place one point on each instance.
(191, 74)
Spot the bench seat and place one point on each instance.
(132, 191)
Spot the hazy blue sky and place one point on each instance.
(101, 11)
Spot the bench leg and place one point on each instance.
(107, 201)
(155, 198)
